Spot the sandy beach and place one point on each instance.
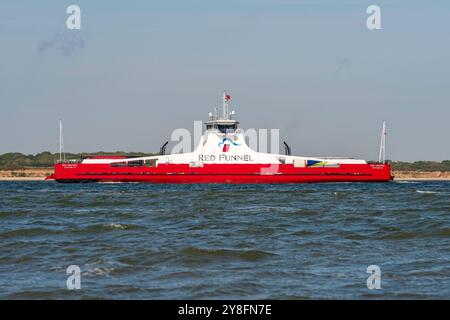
(421, 176)
(22, 178)
(27, 174)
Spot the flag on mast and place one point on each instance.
(226, 99)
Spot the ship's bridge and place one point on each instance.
(225, 124)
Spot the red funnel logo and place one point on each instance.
(225, 144)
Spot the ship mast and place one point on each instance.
(226, 98)
(62, 154)
(226, 122)
(382, 154)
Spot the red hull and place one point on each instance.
(221, 173)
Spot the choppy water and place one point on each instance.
(225, 241)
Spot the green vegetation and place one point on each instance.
(14, 161)
(427, 166)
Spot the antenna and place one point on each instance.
(62, 154)
(382, 154)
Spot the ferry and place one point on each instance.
(222, 156)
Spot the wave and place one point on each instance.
(402, 235)
(29, 232)
(107, 227)
(249, 255)
(427, 191)
(98, 271)
(111, 182)
(405, 182)
(118, 226)
(443, 232)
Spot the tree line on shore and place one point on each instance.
(15, 160)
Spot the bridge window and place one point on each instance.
(223, 128)
(227, 128)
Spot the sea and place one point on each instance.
(291, 241)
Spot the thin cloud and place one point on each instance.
(66, 42)
(342, 64)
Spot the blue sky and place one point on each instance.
(139, 69)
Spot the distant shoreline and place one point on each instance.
(39, 174)
(27, 174)
(22, 178)
(421, 179)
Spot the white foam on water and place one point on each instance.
(110, 182)
(427, 191)
(98, 271)
(116, 226)
(405, 182)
